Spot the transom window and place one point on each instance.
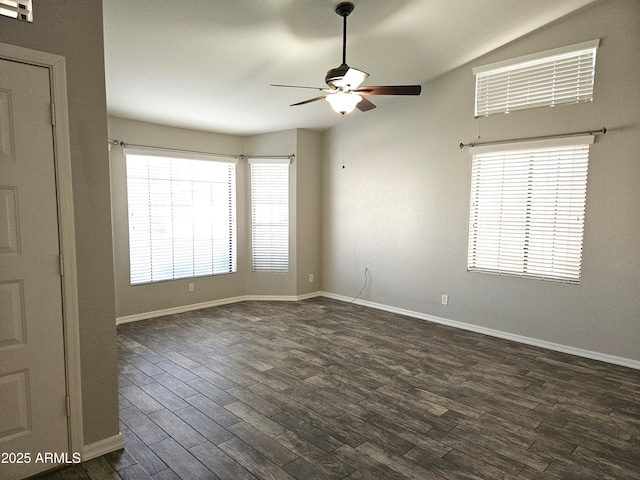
(20, 9)
(554, 77)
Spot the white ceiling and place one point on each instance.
(207, 64)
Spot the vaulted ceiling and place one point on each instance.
(208, 64)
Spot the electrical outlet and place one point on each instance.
(192, 287)
(445, 299)
(311, 278)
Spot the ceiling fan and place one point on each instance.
(344, 92)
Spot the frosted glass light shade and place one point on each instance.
(342, 102)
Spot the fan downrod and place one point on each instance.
(344, 9)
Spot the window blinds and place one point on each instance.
(270, 215)
(549, 78)
(527, 209)
(22, 10)
(182, 217)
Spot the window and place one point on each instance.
(269, 215)
(20, 9)
(527, 209)
(182, 216)
(554, 77)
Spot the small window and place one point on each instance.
(527, 209)
(182, 217)
(269, 215)
(20, 9)
(554, 77)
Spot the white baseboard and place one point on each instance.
(280, 298)
(180, 309)
(603, 357)
(306, 296)
(102, 447)
(214, 303)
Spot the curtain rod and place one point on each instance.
(122, 144)
(290, 157)
(602, 131)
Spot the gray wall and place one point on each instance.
(304, 244)
(73, 29)
(309, 208)
(400, 207)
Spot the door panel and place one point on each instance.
(12, 325)
(8, 220)
(32, 371)
(14, 399)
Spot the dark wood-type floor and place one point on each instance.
(321, 389)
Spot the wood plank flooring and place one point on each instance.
(320, 389)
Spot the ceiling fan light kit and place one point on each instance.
(344, 92)
(342, 102)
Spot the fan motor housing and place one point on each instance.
(336, 74)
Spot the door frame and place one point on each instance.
(62, 154)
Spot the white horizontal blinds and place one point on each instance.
(20, 9)
(182, 217)
(527, 211)
(549, 78)
(269, 215)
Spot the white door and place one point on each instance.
(33, 417)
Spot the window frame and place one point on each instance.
(501, 252)
(542, 79)
(270, 256)
(226, 188)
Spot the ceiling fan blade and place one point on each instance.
(365, 105)
(308, 101)
(390, 90)
(297, 86)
